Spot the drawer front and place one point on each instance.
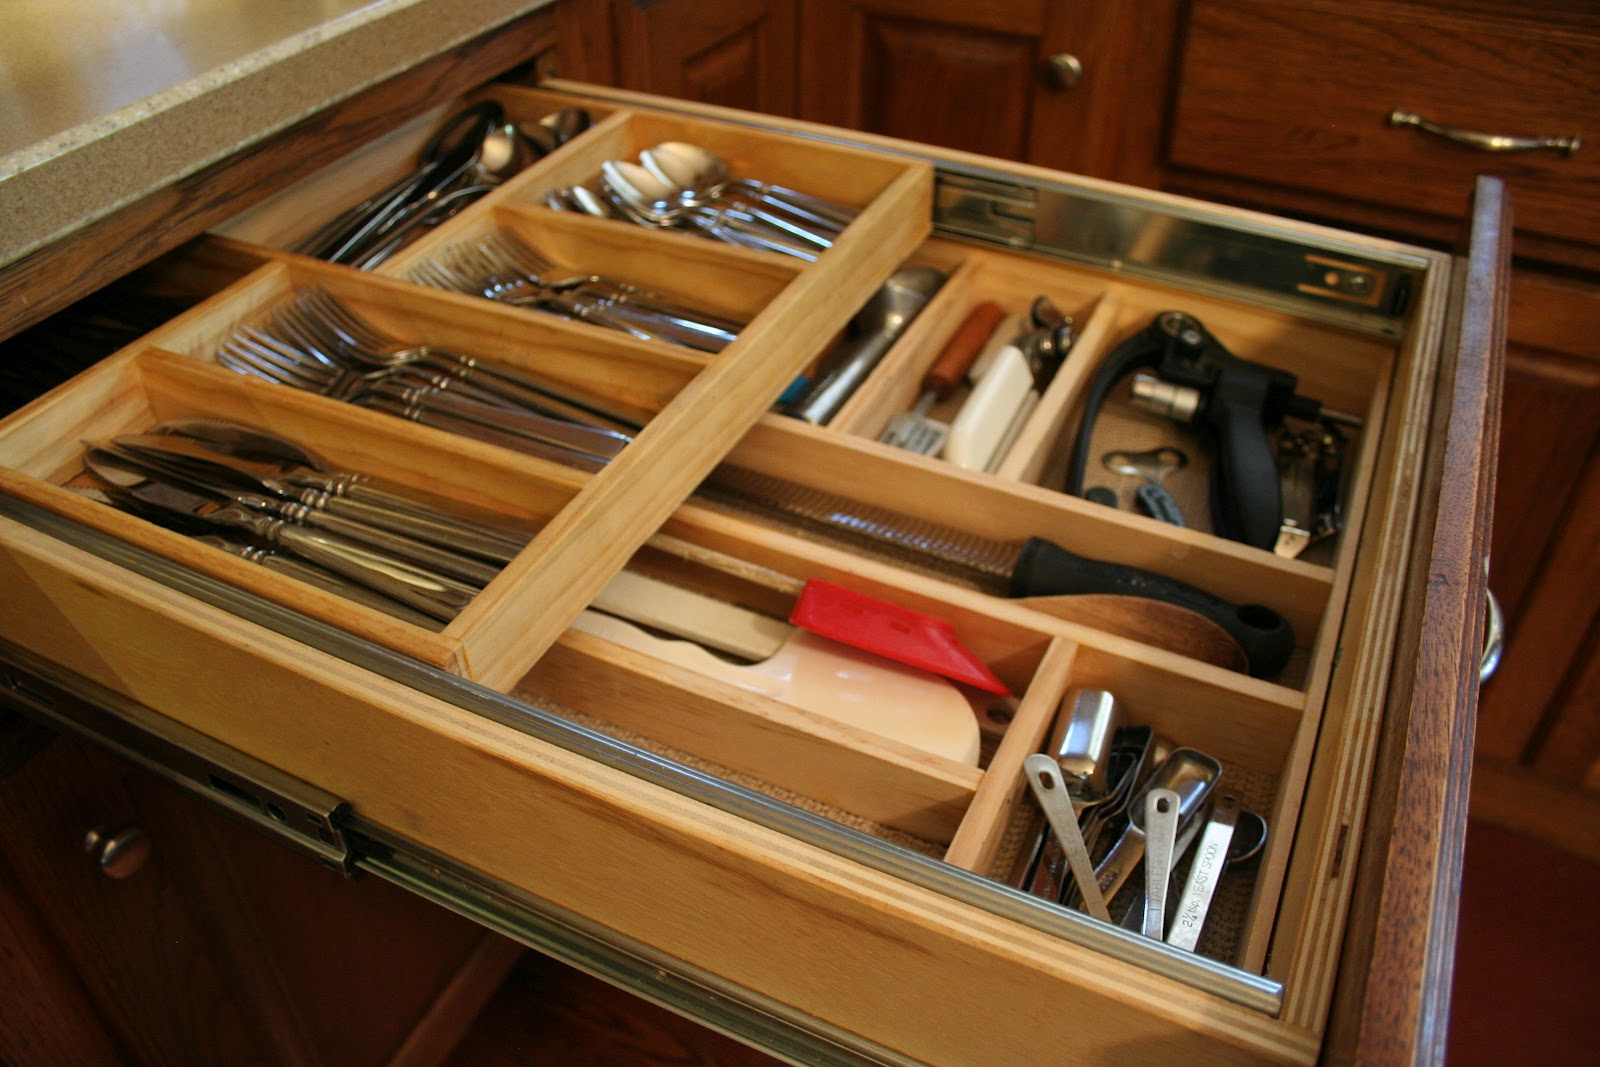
(694, 856)
(1298, 96)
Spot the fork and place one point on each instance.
(504, 268)
(399, 390)
(320, 322)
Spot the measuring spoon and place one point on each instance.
(1080, 747)
(1189, 773)
(1161, 834)
(1236, 835)
(1049, 789)
(1249, 837)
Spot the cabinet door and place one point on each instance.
(990, 77)
(137, 944)
(221, 947)
(1303, 106)
(736, 53)
(1539, 710)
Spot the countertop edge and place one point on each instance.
(51, 189)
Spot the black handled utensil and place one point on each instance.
(1034, 567)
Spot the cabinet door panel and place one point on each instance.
(964, 87)
(135, 943)
(1547, 506)
(971, 76)
(735, 53)
(49, 1019)
(983, 77)
(1298, 95)
(1551, 425)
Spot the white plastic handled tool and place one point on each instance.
(912, 706)
(990, 411)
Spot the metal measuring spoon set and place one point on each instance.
(1118, 799)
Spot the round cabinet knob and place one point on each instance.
(1065, 70)
(118, 852)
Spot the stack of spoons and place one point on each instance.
(680, 185)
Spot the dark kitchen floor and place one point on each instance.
(1527, 986)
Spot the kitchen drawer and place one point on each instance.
(655, 384)
(1328, 131)
(832, 891)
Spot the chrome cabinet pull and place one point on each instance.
(1487, 142)
(1494, 639)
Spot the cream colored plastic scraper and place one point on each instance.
(820, 675)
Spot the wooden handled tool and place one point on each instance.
(959, 352)
(914, 430)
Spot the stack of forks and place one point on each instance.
(505, 268)
(316, 343)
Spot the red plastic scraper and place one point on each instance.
(892, 631)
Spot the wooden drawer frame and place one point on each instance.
(79, 612)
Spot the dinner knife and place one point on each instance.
(213, 482)
(434, 595)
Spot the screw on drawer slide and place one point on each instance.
(306, 818)
(1178, 244)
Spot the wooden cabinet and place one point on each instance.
(1327, 140)
(961, 75)
(215, 945)
(497, 777)
(1538, 752)
(1025, 81)
(737, 53)
(873, 950)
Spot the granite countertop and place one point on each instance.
(107, 101)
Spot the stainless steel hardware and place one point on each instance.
(1065, 70)
(1176, 245)
(1494, 639)
(1487, 142)
(119, 852)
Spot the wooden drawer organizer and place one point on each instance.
(591, 523)
(1287, 743)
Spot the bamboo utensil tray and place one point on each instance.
(1297, 747)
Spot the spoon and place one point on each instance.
(652, 201)
(702, 175)
(870, 334)
(1051, 792)
(565, 124)
(1080, 748)
(505, 150)
(580, 199)
(1231, 836)
(1190, 774)
(1081, 742)
(644, 192)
